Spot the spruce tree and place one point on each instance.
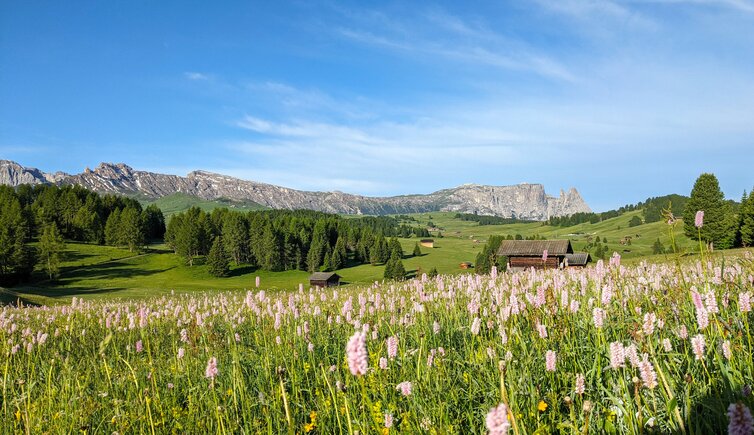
(746, 219)
(218, 259)
(719, 221)
(389, 266)
(417, 251)
(132, 229)
(432, 272)
(398, 272)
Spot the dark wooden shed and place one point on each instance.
(524, 254)
(578, 259)
(324, 279)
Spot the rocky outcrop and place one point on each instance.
(523, 201)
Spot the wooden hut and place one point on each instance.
(465, 265)
(324, 279)
(427, 243)
(578, 259)
(524, 254)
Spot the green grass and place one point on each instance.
(142, 366)
(179, 202)
(92, 271)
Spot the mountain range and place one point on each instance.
(522, 201)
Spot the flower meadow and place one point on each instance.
(608, 349)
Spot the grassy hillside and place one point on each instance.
(179, 202)
(102, 271)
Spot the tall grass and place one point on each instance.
(465, 344)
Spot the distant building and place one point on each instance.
(324, 279)
(427, 243)
(466, 265)
(578, 259)
(524, 254)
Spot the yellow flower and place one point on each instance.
(229, 392)
(18, 414)
(542, 406)
(310, 426)
(385, 431)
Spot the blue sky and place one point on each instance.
(621, 99)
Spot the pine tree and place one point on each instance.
(657, 247)
(417, 251)
(432, 272)
(50, 246)
(338, 257)
(719, 221)
(395, 248)
(218, 259)
(398, 272)
(746, 219)
(389, 266)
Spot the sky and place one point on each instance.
(621, 99)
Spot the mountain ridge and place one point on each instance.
(523, 201)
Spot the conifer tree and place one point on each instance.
(218, 259)
(746, 219)
(417, 251)
(719, 221)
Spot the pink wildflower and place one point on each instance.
(392, 347)
(258, 281)
(550, 359)
(181, 352)
(388, 420)
(744, 302)
(356, 350)
(580, 384)
(139, 346)
(741, 421)
(702, 319)
(697, 345)
(544, 255)
(699, 219)
(476, 325)
(649, 323)
(383, 363)
(211, 370)
(542, 329)
(497, 420)
(648, 375)
(598, 317)
(436, 327)
(666, 345)
(726, 349)
(404, 387)
(617, 355)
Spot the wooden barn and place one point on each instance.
(324, 279)
(578, 259)
(466, 265)
(427, 243)
(524, 254)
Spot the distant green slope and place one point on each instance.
(179, 202)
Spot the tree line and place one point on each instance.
(51, 214)
(277, 240)
(488, 220)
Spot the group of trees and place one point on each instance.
(53, 213)
(278, 240)
(652, 211)
(725, 223)
(488, 220)
(488, 257)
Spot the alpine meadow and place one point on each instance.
(396, 218)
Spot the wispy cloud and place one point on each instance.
(441, 35)
(191, 75)
(740, 5)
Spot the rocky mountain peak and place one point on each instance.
(523, 201)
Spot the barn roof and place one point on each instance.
(532, 248)
(578, 258)
(322, 276)
(426, 240)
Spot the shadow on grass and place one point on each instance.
(242, 270)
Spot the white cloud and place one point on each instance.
(191, 75)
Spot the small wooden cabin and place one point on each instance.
(465, 265)
(524, 254)
(324, 279)
(578, 259)
(427, 243)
